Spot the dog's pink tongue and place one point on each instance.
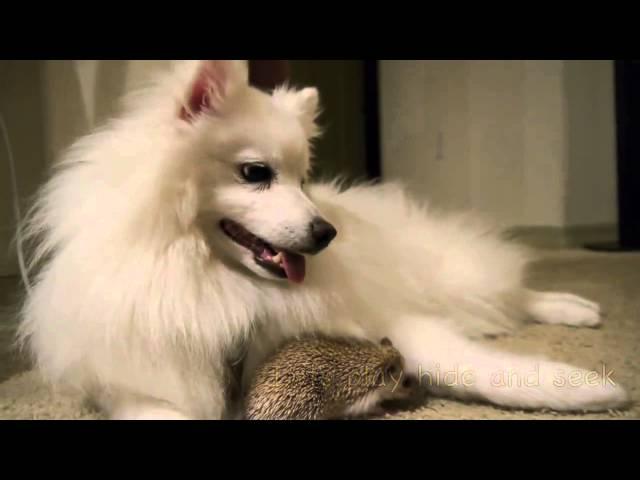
(294, 266)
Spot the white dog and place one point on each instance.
(183, 230)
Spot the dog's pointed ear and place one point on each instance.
(214, 83)
(308, 105)
(304, 104)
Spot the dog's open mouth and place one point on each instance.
(279, 262)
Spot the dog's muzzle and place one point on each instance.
(322, 233)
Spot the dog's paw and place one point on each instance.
(565, 309)
(598, 399)
(559, 387)
(571, 388)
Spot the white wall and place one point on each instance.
(21, 104)
(425, 136)
(591, 174)
(530, 143)
(81, 94)
(47, 105)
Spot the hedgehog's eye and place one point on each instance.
(393, 370)
(408, 382)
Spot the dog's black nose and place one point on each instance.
(322, 233)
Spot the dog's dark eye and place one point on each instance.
(256, 173)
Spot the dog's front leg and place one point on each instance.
(448, 363)
(146, 411)
(138, 407)
(121, 405)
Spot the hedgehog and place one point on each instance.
(321, 378)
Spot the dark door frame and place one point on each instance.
(267, 74)
(627, 84)
(627, 114)
(372, 136)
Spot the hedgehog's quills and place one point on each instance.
(317, 378)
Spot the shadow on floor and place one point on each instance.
(11, 361)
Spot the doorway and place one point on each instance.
(348, 90)
(627, 77)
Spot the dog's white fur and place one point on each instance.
(142, 300)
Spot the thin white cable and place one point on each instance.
(16, 206)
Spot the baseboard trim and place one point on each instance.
(575, 236)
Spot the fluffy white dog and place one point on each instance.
(183, 231)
